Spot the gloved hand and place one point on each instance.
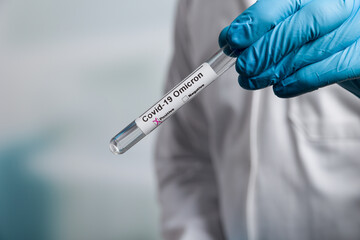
(297, 46)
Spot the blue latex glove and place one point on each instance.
(297, 46)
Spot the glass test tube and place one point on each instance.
(172, 101)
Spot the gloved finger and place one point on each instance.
(223, 44)
(311, 52)
(342, 66)
(310, 23)
(254, 83)
(258, 19)
(222, 37)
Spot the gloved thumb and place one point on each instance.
(257, 20)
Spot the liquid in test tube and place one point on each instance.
(177, 97)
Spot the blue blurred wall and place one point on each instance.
(73, 73)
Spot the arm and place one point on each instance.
(187, 185)
(297, 46)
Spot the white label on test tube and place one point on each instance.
(176, 98)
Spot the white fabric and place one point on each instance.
(236, 164)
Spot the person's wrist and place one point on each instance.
(352, 86)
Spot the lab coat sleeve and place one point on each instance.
(186, 180)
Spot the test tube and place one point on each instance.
(181, 94)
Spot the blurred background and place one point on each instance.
(73, 73)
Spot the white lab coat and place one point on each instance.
(236, 164)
